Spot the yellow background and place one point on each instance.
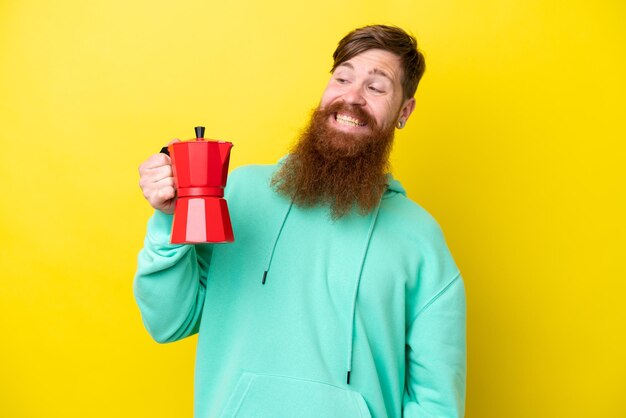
(516, 147)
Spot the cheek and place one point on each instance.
(325, 100)
(329, 95)
(382, 114)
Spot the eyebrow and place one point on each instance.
(374, 71)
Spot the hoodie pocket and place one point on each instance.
(268, 396)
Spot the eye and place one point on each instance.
(341, 80)
(375, 89)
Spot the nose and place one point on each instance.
(354, 95)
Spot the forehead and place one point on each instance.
(375, 61)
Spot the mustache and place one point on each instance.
(353, 110)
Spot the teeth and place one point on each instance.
(347, 120)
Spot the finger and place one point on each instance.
(166, 193)
(156, 174)
(156, 160)
(173, 141)
(159, 198)
(164, 182)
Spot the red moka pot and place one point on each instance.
(200, 169)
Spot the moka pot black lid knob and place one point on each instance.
(199, 132)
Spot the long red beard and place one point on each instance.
(334, 168)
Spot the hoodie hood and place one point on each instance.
(393, 187)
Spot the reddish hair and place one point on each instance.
(388, 38)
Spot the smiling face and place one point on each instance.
(341, 159)
(365, 94)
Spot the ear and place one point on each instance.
(407, 108)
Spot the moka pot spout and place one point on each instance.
(224, 148)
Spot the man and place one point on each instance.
(339, 297)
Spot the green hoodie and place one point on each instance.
(307, 317)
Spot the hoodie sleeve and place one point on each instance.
(170, 282)
(436, 356)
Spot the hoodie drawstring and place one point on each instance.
(269, 261)
(356, 291)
